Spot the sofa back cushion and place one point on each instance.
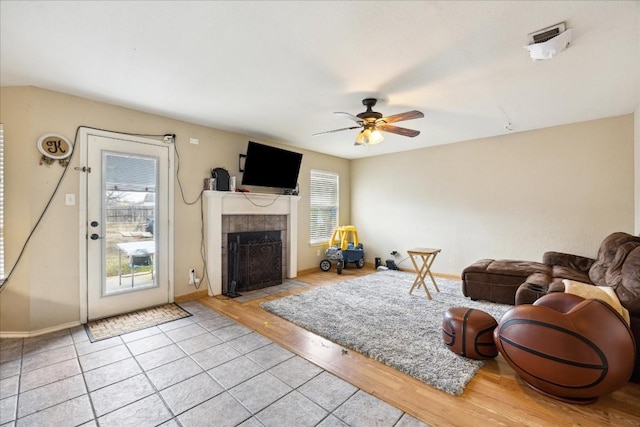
(624, 276)
(618, 266)
(606, 254)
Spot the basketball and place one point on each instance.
(536, 348)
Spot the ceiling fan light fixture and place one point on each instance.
(369, 137)
(376, 137)
(373, 124)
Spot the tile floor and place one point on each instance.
(204, 370)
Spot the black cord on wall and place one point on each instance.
(184, 200)
(5, 281)
(203, 246)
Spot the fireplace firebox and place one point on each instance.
(254, 261)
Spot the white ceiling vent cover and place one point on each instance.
(543, 35)
(547, 43)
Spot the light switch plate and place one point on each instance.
(70, 199)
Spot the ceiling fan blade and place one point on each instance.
(409, 115)
(349, 116)
(336, 130)
(398, 130)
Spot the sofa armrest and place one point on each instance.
(575, 262)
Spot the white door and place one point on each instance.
(128, 196)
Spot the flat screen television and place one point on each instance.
(267, 166)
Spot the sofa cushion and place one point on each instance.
(614, 276)
(574, 262)
(606, 254)
(624, 276)
(516, 268)
(559, 272)
(541, 280)
(506, 267)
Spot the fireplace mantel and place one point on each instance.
(220, 203)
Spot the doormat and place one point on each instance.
(130, 322)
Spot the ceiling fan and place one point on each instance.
(373, 122)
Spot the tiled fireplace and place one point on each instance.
(254, 256)
(228, 212)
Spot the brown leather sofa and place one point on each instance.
(617, 265)
(567, 347)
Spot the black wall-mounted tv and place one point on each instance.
(267, 166)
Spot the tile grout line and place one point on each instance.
(84, 379)
(44, 385)
(156, 391)
(15, 414)
(243, 353)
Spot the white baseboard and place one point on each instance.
(9, 334)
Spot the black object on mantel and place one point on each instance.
(221, 175)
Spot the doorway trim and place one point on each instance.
(83, 227)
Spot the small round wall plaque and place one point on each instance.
(55, 147)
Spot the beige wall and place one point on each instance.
(515, 196)
(44, 290)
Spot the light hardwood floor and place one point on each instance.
(494, 397)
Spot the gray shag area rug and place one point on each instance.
(375, 316)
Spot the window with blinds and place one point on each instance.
(1, 202)
(324, 205)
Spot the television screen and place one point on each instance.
(267, 166)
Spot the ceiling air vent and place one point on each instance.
(542, 36)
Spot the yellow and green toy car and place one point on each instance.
(343, 248)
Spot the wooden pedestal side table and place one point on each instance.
(426, 256)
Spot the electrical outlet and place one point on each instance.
(192, 276)
(318, 252)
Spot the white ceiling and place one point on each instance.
(278, 70)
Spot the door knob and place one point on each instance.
(94, 236)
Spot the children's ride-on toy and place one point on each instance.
(343, 248)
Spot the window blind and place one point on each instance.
(324, 207)
(130, 173)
